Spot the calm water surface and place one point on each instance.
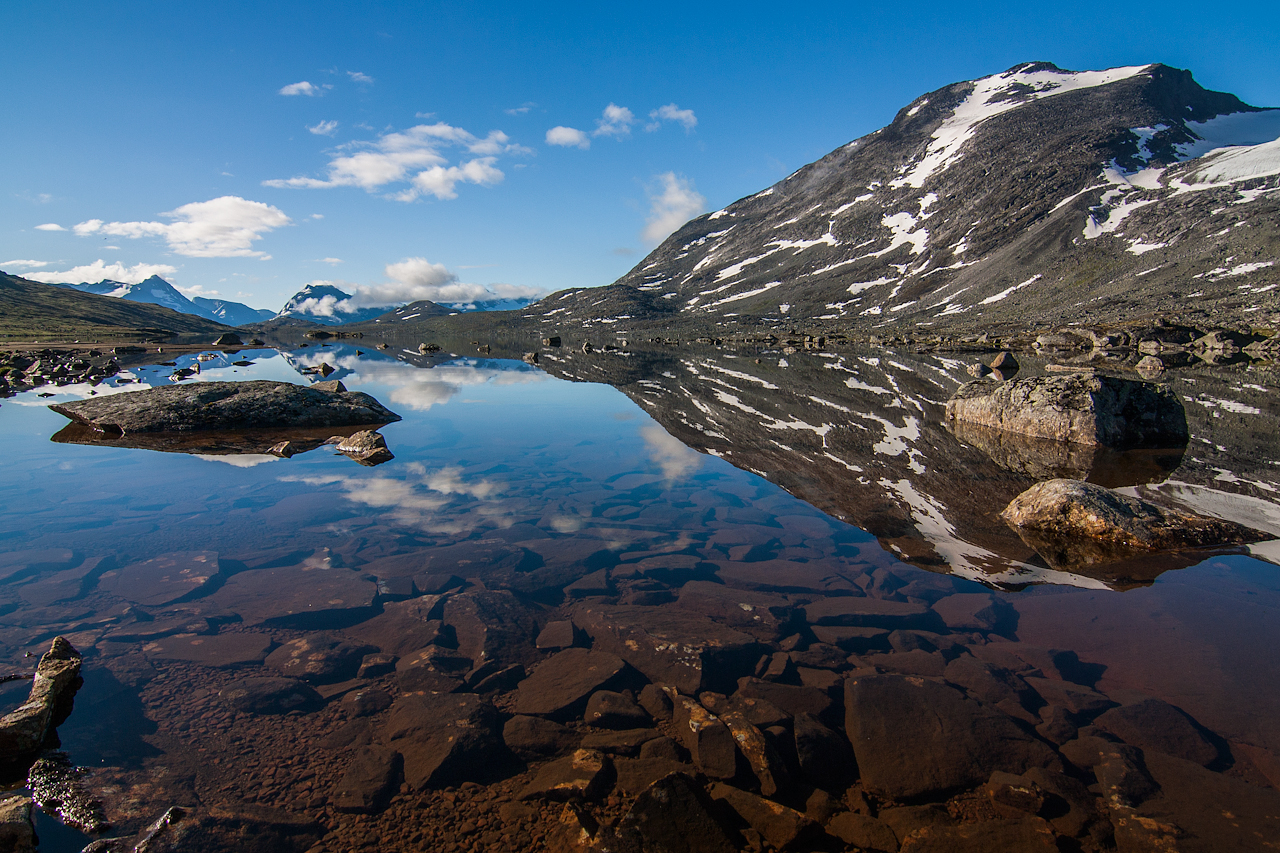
(175, 573)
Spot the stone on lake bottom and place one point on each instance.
(561, 685)
(271, 696)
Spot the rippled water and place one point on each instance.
(175, 572)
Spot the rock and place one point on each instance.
(1084, 408)
(762, 758)
(655, 700)
(434, 668)
(445, 738)
(372, 776)
(229, 339)
(1014, 795)
(531, 738)
(312, 594)
(367, 447)
(761, 713)
(977, 371)
(376, 665)
(858, 612)
(609, 710)
(621, 741)
(1076, 698)
(326, 370)
(1121, 769)
(54, 685)
(674, 815)
(220, 650)
(595, 583)
(320, 658)
(366, 702)
(707, 738)
(824, 756)
(790, 698)
(1150, 367)
(975, 611)
(782, 827)
(407, 626)
(912, 737)
(1074, 523)
(283, 449)
(863, 832)
(738, 608)
(585, 775)
(1005, 361)
(993, 685)
(687, 651)
(561, 685)
(1025, 835)
(271, 695)
(530, 358)
(332, 386)
(17, 834)
(560, 635)
(1153, 724)
(552, 341)
(162, 580)
(257, 404)
(492, 625)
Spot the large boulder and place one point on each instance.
(259, 404)
(561, 685)
(56, 680)
(1073, 523)
(445, 738)
(1081, 407)
(912, 736)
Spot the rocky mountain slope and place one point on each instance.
(29, 309)
(1036, 194)
(154, 291)
(232, 313)
(324, 303)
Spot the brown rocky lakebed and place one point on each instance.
(284, 647)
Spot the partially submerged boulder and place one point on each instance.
(56, 680)
(260, 404)
(1074, 523)
(1082, 407)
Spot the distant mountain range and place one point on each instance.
(1034, 195)
(157, 291)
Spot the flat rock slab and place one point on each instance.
(219, 650)
(1080, 407)
(690, 652)
(162, 580)
(308, 595)
(258, 404)
(561, 685)
(858, 612)
(271, 696)
(445, 738)
(1155, 725)
(912, 736)
(320, 658)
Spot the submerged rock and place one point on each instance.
(260, 404)
(366, 447)
(1073, 523)
(1081, 407)
(56, 681)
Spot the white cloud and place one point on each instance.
(676, 459)
(303, 88)
(198, 290)
(414, 279)
(359, 78)
(568, 137)
(673, 204)
(317, 216)
(25, 264)
(331, 260)
(100, 269)
(616, 121)
(50, 226)
(223, 227)
(520, 110)
(413, 156)
(672, 113)
(324, 128)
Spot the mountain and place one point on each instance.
(414, 311)
(324, 303)
(1036, 195)
(29, 309)
(232, 313)
(155, 291)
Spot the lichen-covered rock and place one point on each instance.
(1081, 407)
(259, 404)
(1074, 523)
(56, 680)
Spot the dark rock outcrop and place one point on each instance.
(260, 404)
(56, 680)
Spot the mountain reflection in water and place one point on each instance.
(517, 500)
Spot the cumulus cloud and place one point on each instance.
(414, 279)
(672, 113)
(670, 454)
(672, 202)
(50, 226)
(25, 264)
(303, 88)
(568, 137)
(616, 121)
(324, 128)
(520, 110)
(100, 269)
(224, 227)
(359, 77)
(413, 156)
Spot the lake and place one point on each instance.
(783, 530)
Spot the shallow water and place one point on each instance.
(800, 477)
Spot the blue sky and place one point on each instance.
(168, 134)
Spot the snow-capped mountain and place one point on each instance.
(232, 313)
(1036, 194)
(155, 291)
(324, 303)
